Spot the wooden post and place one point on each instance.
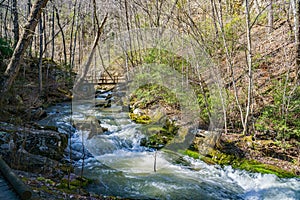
(155, 160)
(23, 190)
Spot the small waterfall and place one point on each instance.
(124, 168)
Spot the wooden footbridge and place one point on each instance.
(105, 80)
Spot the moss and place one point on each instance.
(75, 183)
(49, 181)
(217, 157)
(143, 119)
(157, 135)
(190, 153)
(255, 166)
(46, 189)
(157, 141)
(40, 178)
(24, 179)
(64, 187)
(222, 158)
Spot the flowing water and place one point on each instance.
(124, 168)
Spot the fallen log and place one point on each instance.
(23, 190)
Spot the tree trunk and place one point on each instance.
(230, 64)
(296, 20)
(5, 21)
(249, 65)
(270, 17)
(75, 40)
(213, 10)
(257, 7)
(296, 14)
(14, 65)
(28, 14)
(298, 38)
(45, 43)
(128, 54)
(15, 22)
(41, 57)
(72, 32)
(53, 33)
(62, 34)
(1, 22)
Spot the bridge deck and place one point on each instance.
(6, 191)
(105, 80)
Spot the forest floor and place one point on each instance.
(267, 151)
(273, 67)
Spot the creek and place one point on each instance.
(121, 167)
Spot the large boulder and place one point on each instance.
(48, 143)
(205, 141)
(25, 161)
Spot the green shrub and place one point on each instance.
(162, 56)
(152, 93)
(282, 115)
(5, 49)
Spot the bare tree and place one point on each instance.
(28, 14)
(5, 21)
(249, 65)
(72, 32)
(296, 14)
(53, 33)
(256, 5)
(86, 67)
(41, 29)
(229, 61)
(213, 10)
(15, 21)
(270, 17)
(62, 34)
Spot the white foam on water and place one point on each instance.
(129, 168)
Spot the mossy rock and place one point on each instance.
(255, 166)
(157, 135)
(74, 184)
(157, 141)
(217, 157)
(221, 158)
(152, 129)
(190, 153)
(143, 119)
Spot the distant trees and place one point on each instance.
(296, 14)
(69, 28)
(21, 47)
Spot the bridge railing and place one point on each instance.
(105, 79)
